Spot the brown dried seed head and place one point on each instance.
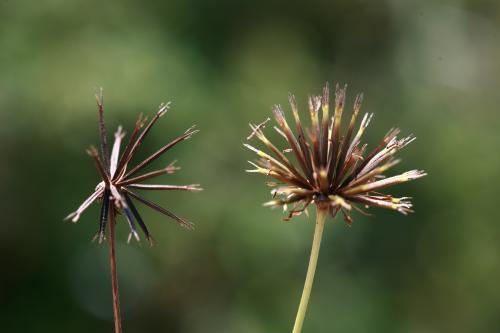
(333, 170)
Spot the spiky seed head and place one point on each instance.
(117, 186)
(330, 169)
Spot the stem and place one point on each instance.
(313, 260)
(114, 277)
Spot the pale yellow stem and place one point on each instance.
(313, 260)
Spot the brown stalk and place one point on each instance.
(114, 276)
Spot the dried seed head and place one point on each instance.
(333, 171)
(116, 187)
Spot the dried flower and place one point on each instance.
(116, 189)
(333, 171)
(117, 184)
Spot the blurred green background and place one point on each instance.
(430, 68)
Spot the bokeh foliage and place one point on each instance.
(431, 68)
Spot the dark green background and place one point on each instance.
(431, 68)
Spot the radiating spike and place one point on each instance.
(277, 163)
(280, 156)
(160, 152)
(300, 154)
(325, 107)
(335, 136)
(390, 136)
(343, 153)
(403, 206)
(373, 173)
(131, 223)
(92, 152)
(121, 168)
(191, 188)
(392, 148)
(115, 152)
(138, 142)
(74, 216)
(167, 170)
(103, 220)
(182, 222)
(379, 184)
(138, 218)
(102, 130)
(315, 131)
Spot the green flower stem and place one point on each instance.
(313, 260)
